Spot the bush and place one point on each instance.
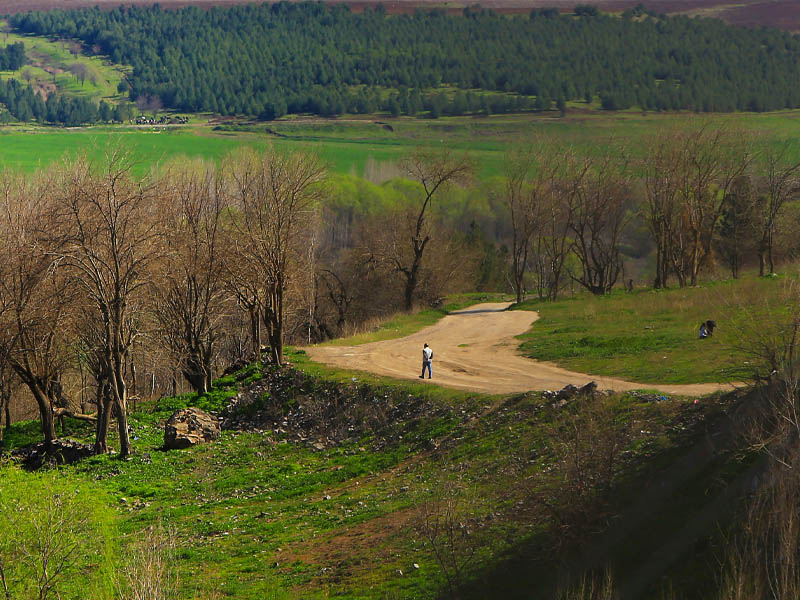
(56, 538)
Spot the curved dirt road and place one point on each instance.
(475, 349)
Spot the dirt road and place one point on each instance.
(475, 349)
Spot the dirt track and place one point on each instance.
(475, 350)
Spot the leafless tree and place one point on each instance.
(276, 195)
(779, 185)
(80, 71)
(599, 218)
(762, 554)
(433, 169)
(34, 297)
(553, 243)
(190, 298)
(449, 523)
(687, 179)
(713, 158)
(109, 244)
(736, 228)
(660, 169)
(149, 572)
(8, 383)
(525, 186)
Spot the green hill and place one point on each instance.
(334, 484)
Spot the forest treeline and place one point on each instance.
(12, 57)
(270, 59)
(23, 103)
(199, 266)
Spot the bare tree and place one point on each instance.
(449, 523)
(149, 572)
(108, 247)
(661, 168)
(712, 160)
(598, 221)
(553, 242)
(762, 554)
(34, 297)
(523, 197)
(80, 71)
(276, 194)
(433, 169)
(8, 383)
(780, 184)
(190, 298)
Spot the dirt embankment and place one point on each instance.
(476, 350)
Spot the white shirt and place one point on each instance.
(427, 354)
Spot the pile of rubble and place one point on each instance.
(569, 391)
(321, 413)
(62, 452)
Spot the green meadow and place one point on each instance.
(50, 62)
(373, 148)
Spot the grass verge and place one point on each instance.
(652, 335)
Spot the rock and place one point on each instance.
(188, 427)
(589, 389)
(567, 392)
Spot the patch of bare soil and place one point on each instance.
(352, 552)
(476, 350)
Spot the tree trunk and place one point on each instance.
(121, 408)
(412, 275)
(133, 377)
(45, 413)
(104, 405)
(770, 261)
(196, 375)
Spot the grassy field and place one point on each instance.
(366, 147)
(652, 336)
(49, 65)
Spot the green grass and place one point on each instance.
(363, 148)
(258, 515)
(651, 336)
(31, 149)
(49, 62)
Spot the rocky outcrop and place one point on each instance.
(188, 427)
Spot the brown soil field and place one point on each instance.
(784, 14)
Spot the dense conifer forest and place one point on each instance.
(270, 59)
(12, 57)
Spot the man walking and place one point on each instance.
(427, 359)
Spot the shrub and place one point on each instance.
(56, 538)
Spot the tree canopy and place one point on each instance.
(270, 59)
